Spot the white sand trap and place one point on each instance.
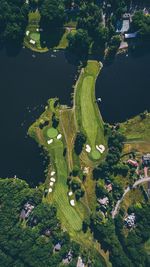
(86, 170)
(50, 141)
(97, 147)
(70, 193)
(88, 148)
(100, 148)
(50, 190)
(51, 183)
(53, 173)
(59, 136)
(27, 33)
(72, 202)
(32, 42)
(53, 179)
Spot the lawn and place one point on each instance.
(87, 112)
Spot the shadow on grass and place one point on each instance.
(51, 37)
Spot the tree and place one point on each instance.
(100, 190)
(79, 143)
(52, 13)
(115, 41)
(13, 21)
(79, 43)
(90, 17)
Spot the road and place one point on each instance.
(140, 181)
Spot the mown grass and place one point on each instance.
(87, 112)
(69, 216)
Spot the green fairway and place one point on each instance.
(52, 132)
(68, 215)
(87, 112)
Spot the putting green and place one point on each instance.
(52, 132)
(95, 154)
(35, 36)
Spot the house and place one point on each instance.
(47, 232)
(27, 209)
(130, 35)
(57, 247)
(68, 258)
(133, 163)
(130, 220)
(146, 160)
(80, 262)
(103, 201)
(109, 187)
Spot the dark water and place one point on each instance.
(26, 83)
(124, 88)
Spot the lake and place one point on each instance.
(26, 83)
(124, 88)
(28, 80)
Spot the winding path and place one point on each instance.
(140, 181)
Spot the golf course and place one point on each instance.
(85, 117)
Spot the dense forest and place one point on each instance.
(30, 232)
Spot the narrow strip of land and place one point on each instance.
(86, 110)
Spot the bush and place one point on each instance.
(79, 143)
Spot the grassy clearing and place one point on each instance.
(137, 129)
(137, 132)
(133, 197)
(87, 112)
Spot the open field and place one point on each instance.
(133, 197)
(137, 132)
(137, 129)
(87, 113)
